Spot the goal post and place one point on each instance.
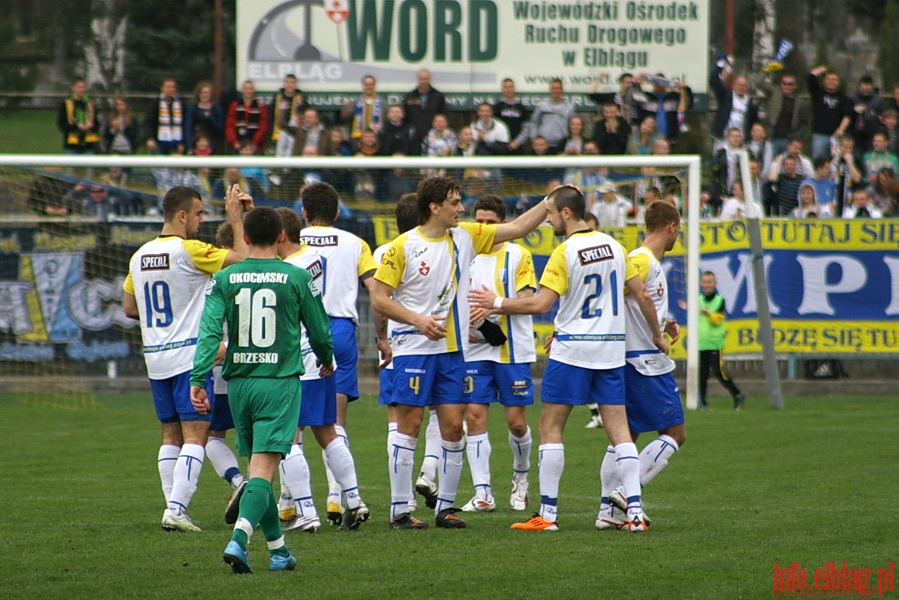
(32, 185)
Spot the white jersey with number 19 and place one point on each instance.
(588, 273)
(168, 278)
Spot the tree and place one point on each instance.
(159, 46)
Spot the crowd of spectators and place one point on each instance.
(850, 168)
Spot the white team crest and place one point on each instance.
(314, 288)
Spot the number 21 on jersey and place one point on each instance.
(594, 280)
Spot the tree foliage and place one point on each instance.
(176, 43)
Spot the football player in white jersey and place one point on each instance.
(406, 213)
(318, 410)
(586, 273)
(164, 290)
(422, 286)
(498, 364)
(653, 399)
(341, 253)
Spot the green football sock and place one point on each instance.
(256, 501)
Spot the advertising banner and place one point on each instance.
(833, 285)
(469, 46)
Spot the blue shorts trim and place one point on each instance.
(318, 402)
(576, 386)
(346, 354)
(509, 384)
(423, 380)
(221, 414)
(653, 402)
(171, 398)
(385, 390)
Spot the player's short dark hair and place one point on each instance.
(492, 203)
(177, 199)
(320, 201)
(224, 235)
(262, 226)
(290, 223)
(660, 214)
(406, 212)
(568, 196)
(820, 161)
(433, 190)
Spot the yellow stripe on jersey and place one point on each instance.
(555, 273)
(638, 264)
(525, 277)
(206, 257)
(393, 263)
(482, 235)
(366, 263)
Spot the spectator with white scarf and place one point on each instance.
(165, 121)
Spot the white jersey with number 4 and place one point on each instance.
(588, 272)
(345, 258)
(642, 353)
(168, 278)
(506, 271)
(431, 276)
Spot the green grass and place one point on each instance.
(30, 132)
(81, 504)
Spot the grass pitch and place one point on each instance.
(81, 504)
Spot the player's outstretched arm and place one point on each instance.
(237, 203)
(523, 224)
(539, 304)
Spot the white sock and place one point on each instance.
(185, 476)
(165, 462)
(478, 449)
(224, 461)
(344, 470)
(400, 464)
(608, 474)
(391, 428)
(452, 459)
(521, 454)
(629, 472)
(432, 448)
(296, 478)
(333, 488)
(550, 467)
(654, 457)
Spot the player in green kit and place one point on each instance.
(264, 301)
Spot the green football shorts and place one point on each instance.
(265, 412)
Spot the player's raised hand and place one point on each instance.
(199, 399)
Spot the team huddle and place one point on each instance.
(258, 334)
